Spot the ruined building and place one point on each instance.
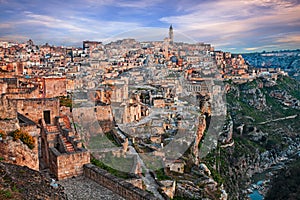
(54, 143)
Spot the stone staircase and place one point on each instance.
(68, 145)
(66, 121)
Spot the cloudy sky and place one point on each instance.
(229, 25)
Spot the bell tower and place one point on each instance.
(171, 35)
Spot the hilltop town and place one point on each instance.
(138, 109)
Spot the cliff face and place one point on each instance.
(265, 132)
(200, 133)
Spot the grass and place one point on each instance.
(110, 136)
(121, 166)
(274, 107)
(239, 108)
(182, 198)
(160, 174)
(5, 194)
(210, 160)
(290, 85)
(99, 141)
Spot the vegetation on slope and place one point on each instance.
(118, 166)
(25, 137)
(18, 182)
(230, 165)
(286, 184)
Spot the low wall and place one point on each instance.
(18, 153)
(117, 185)
(67, 165)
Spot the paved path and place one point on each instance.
(279, 119)
(82, 188)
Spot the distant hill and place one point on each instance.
(288, 60)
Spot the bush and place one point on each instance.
(25, 137)
(65, 101)
(2, 134)
(5, 194)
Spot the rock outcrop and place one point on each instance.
(18, 182)
(16, 152)
(199, 135)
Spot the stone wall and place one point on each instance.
(17, 153)
(9, 125)
(3, 86)
(133, 112)
(104, 113)
(99, 113)
(119, 186)
(7, 108)
(54, 86)
(96, 119)
(34, 108)
(67, 165)
(23, 93)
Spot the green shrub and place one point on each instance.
(65, 101)
(25, 137)
(5, 194)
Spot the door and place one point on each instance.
(47, 116)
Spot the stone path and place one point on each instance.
(279, 119)
(82, 188)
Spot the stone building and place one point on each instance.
(39, 108)
(176, 166)
(62, 150)
(53, 86)
(55, 144)
(11, 150)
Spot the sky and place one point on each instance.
(229, 25)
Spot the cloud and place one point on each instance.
(13, 37)
(251, 48)
(67, 30)
(52, 22)
(227, 24)
(6, 25)
(289, 39)
(237, 22)
(142, 4)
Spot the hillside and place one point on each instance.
(286, 184)
(288, 60)
(266, 131)
(18, 182)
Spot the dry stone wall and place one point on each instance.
(119, 186)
